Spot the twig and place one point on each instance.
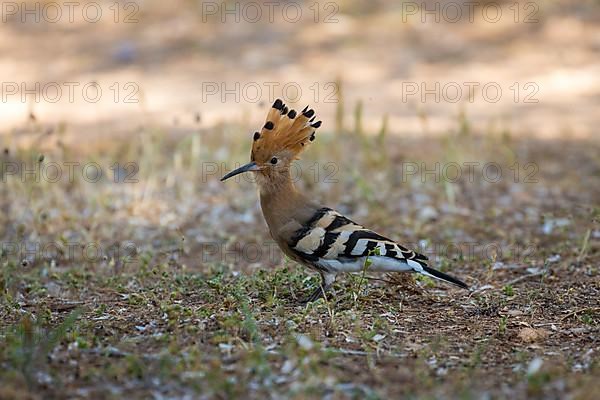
(522, 278)
(579, 311)
(372, 278)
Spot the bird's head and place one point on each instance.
(283, 137)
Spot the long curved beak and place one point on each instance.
(244, 168)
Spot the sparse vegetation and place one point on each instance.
(153, 279)
(179, 299)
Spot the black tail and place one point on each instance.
(442, 276)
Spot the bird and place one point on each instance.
(309, 233)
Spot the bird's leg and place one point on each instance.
(327, 280)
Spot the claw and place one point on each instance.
(319, 292)
(327, 279)
(314, 296)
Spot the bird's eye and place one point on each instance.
(273, 160)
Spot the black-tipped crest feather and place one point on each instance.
(284, 129)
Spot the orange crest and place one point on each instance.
(284, 130)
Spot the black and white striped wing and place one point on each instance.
(331, 241)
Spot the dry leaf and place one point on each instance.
(530, 335)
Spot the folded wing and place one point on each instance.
(331, 236)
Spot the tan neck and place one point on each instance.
(279, 199)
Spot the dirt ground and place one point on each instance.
(136, 272)
(171, 286)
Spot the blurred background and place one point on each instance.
(158, 63)
(465, 129)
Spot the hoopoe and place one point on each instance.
(316, 236)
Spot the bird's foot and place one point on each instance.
(318, 293)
